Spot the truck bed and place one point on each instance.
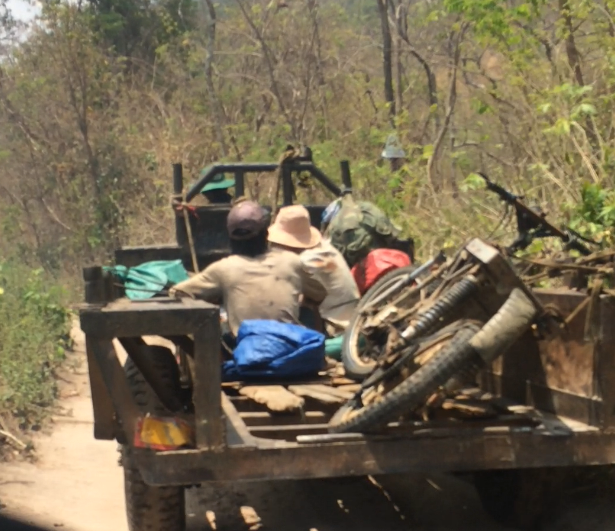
(551, 405)
(260, 444)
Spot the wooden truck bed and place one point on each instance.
(545, 403)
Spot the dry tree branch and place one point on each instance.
(269, 64)
(452, 99)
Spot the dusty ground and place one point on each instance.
(76, 485)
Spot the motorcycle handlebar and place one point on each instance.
(537, 219)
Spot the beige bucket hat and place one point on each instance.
(292, 228)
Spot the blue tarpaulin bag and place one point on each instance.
(270, 349)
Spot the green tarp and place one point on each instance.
(147, 280)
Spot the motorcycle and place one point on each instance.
(359, 351)
(434, 327)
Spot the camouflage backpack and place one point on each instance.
(358, 228)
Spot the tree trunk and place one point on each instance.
(574, 57)
(209, 23)
(387, 56)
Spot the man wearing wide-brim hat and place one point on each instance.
(292, 230)
(254, 282)
(216, 190)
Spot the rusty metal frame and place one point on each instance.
(105, 320)
(244, 445)
(240, 169)
(453, 448)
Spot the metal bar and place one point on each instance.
(346, 180)
(207, 381)
(101, 352)
(290, 431)
(178, 178)
(287, 185)
(264, 418)
(196, 188)
(325, 181)
(178, 188)
(240, 185)
(261, 167)
(481, 450)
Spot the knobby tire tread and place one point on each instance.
(452, 359)
(353, 368)
(151, 508)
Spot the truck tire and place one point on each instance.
(151, 508)
(355, 366)
(454, 356)
(519, 499)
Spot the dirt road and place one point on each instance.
(76, 485)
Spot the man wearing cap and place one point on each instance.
(293, 231)
(254, 282)
(216, 190)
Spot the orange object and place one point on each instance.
(163, 433)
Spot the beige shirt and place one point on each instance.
(268, 286)
(327, 265)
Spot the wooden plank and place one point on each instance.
(322, 393)
(102, 403)
(207, 378)
(274, 397)
(165, 317)
(102, 352)
(456, 451)
(350, 388)
(237, 433)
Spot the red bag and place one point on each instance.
(377, 264)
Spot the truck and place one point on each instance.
(554, 397)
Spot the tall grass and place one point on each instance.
(34, 335)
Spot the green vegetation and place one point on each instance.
(34, 334)
(104, 95)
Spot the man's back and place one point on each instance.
(267, 286)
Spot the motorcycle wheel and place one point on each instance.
(357, 365)
(465, 350)
(382, 403)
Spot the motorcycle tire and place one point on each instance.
(355, 366)
(468, 348)
(409, 393)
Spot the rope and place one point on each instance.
(289, 154)
(180, 204)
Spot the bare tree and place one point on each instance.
(387, 55)
(208, 16)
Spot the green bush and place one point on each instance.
(34, 334)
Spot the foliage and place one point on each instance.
(135, 28)
(34, 334)
(104, 96)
